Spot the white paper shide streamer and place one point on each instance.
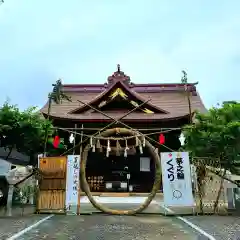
(126, 149)
(71, 138)
(108, 148)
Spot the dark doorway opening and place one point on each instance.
(134, 173)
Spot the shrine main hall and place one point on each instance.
(119, 163)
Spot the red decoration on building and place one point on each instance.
(161, 139)
(56, 141)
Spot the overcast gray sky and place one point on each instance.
(153, 40)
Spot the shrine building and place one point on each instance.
(164, 109)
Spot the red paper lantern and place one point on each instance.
(161, 139)
(56, 141)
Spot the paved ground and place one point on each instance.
(21, 218)
(12, 225)
(103, 227)
(118, 227)
(221, 227)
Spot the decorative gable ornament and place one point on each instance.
(119, 86)
(119, 92)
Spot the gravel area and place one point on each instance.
(221, 227)
(103, 227)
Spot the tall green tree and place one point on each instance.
(56, 96)
(22, 130)
(216, 134)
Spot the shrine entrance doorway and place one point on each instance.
(133, 173)
(139, 142)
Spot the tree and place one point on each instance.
(56, 96)
(22, 130)
(216, 134)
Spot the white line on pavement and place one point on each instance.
(198, 229)
(25, 230)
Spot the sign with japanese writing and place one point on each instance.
(72, 183)
(176, 178)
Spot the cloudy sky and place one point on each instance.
(153, 40)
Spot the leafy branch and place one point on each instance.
(56, 96)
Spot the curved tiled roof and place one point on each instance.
(174, 103)
(169, 99)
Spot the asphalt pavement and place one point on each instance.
(106, 227)
(101, 226)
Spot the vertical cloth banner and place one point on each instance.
(72, 183)
(176, 177)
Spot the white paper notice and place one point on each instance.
(72, 183)
(176, 176)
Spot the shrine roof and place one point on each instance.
(168, 99)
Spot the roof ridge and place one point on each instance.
(133, 84)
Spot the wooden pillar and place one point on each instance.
(9, 200)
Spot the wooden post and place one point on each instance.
(80, 154)
(9, 200)
(46, 129)
(186, 88)
(74, 141)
